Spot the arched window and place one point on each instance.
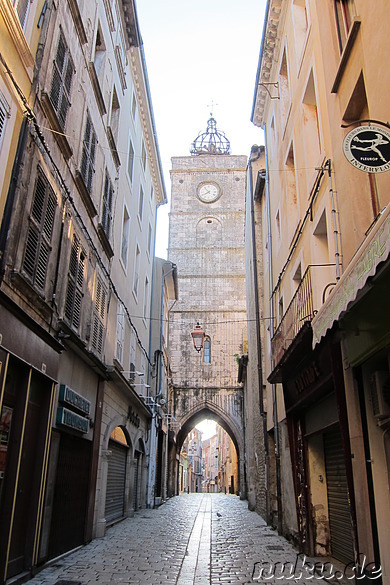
(207, 350)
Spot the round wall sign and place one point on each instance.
(368, 148)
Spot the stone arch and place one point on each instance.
(190, 419)
(208, 232)
(117, 421)
(140, 446)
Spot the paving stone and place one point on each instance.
(183, 542)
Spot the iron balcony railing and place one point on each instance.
(302, 308)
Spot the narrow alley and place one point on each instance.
(194, 539)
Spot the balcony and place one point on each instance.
(310, 295)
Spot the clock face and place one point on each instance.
(208, 192)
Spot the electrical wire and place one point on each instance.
(29, 113)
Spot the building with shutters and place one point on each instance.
(20, 24)
(77, 249)
(165, 294)
(321, 194)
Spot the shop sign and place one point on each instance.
(72, 420)
(307, 377)
(133, 417)
(367, 148)
(73, 399)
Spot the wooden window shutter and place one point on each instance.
(21, 7)
(62, 81)
(39, 234)
(74, 292)
(107, 206)
(99, 316)
(88, 155)
(3, 120)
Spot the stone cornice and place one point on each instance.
(146, 117)
(269, 45)
(16, 33)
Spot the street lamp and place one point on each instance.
(197, 337)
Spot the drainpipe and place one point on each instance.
(274, 394)
(328, 165)
(263, 414)
(159, 392)
(165, 274)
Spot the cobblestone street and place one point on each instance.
(195, 539)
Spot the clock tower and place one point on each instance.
(206, 242)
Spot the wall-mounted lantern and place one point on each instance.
(198, 337)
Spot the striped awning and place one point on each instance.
(374, 250)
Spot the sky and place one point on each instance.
(208, 428)
(201, 58)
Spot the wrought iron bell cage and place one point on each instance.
(212, 141)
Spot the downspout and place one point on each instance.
(158, 360)
(258, 332)
(336, 232)
(274, 394)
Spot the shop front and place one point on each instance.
(359, 305)
(28, 370)
(124, 440)
(321, 461)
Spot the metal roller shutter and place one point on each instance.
(338, 499)
(135, 486)
(116, 478)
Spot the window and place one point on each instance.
(284, 89)
(130, 161)
(143, 156)
(125, 236)
(99, 316)
(291, 190)
(136, 271)
(62, 80)
(297, 277)
(100, 55)
(5, 112)
(300, 25)
(120, 332)
(320, 246)
(277, 222)
(115, 115)
(133, 352)
(133, 106)
(88, 155)
(344, 12)
(141, 202)
(207, 350)
(21, 8)
(280, 309)
(76, 276)
(272, 133)
(311, 126)
(107, 206)
(150, 240)
(357, 107)
(40, 230)
(146, 297)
